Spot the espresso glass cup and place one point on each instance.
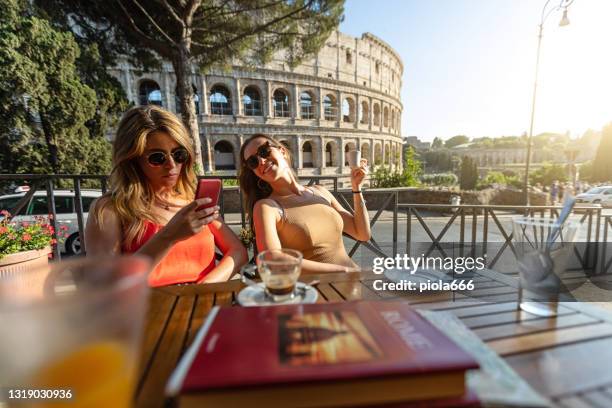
(279, 270)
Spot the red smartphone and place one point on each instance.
(210, 188)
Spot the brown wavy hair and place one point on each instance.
(253, 188)
(131, 196)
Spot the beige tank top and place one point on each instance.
(314, 228)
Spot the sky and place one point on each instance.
(469, 65)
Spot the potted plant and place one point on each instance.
(25, 248)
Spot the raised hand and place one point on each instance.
(358, 174)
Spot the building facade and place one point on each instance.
(347, 97)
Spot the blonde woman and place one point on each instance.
(285, 214)
(150, 208)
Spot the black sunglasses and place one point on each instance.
(263, 151)
(179, 156)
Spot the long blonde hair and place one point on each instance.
(130, 195)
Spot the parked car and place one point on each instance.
(597, 195)
(64, 208)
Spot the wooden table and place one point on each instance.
(568, 358)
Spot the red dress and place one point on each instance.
(187, 261)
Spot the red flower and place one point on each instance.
(25, 224)
(26, 237)
(53, 241)
(5, 213)
(64, 228)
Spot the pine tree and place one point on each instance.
(437, 143)
(198, 34)
(469, 174)
(46, 107)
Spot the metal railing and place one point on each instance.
(604, 262)
(38, 182)
(490, 213)
(463, 215)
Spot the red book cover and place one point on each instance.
(259, 346)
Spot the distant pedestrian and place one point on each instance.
(578, 187)
(554, 191)
(561, 192)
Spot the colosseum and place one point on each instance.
(347, 97)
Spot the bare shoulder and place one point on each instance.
(103, 211)
(103, 230)
(323, 191)
(265, 203)
(266, 206)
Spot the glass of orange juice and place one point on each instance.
(73, 341)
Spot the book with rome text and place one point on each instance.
(326, 354)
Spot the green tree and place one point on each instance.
(439, 179)
(586, 171)
(197, 34)
(45, 106)
(437, 143)
(456, 141)
(413, 167)
(548, 173)
(384, 177)
(602, 165)
(499, 178)
(469, 174)
(438, 160)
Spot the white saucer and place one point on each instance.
(420, 276)
(256, 296)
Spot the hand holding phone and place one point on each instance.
(210, 188)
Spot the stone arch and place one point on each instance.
(308, 154)
(386, 116)
(149, 93)
(220, 99)
(348, 110)
(349, 146)
(330, 107)
(377, 154)
(392, 118)
(376, 111)
(365, 152)
(331, 154)
(224, 155)
(282, 107)
(396, 155)
(387, 154)
(307, 105)
(364, 113)
(252, 102)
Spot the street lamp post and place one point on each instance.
(546, 12)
